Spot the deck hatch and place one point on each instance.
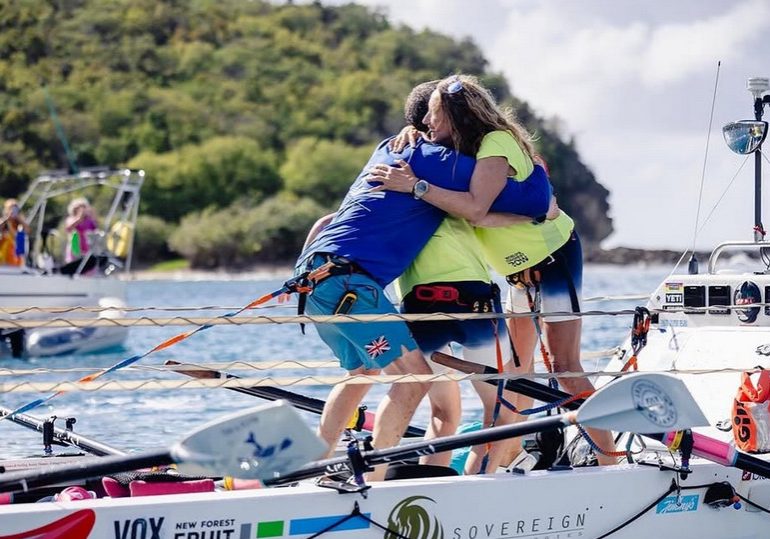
(694, 296)
(719, 295)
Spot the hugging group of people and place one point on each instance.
(459, 190)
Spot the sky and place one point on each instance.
(632, 83)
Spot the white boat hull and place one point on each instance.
(586, 502)
(704, 341)
(20, 290)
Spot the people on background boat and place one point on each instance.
(546, 256)
(365, 245)
(80, 221)
(13, 230)
(450, 275)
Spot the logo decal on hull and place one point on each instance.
(410, 518)
(657, 406)
(77, 525)
(674, 504)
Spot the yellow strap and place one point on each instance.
(674, 445)
(353, 421)
(228, 482)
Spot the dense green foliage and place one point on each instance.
(240, 111)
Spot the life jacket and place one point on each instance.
(8, 254)
(751, 415)
(119, 237)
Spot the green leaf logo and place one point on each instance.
(411, 519)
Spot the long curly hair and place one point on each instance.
(473, 113)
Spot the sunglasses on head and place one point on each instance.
(454, 87)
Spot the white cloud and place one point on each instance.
(633, 82)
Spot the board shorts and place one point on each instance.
(372, 345)
(479, 338)
(560, 282)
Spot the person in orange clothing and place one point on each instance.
(12, 223)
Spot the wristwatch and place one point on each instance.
(420, 188)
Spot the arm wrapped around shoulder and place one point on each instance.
(530, 197)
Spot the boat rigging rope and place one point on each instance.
(705, 157)
(15, 311)
(256, 365)
(356, 513)
(308, 380)
(639, 330)
(675, 488)
(228, 319)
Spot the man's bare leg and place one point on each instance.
(445, 409)
(563, 340)
(341, 404)
(524, 337)
(497, 450)
(397, 408)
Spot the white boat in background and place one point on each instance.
(45, 281)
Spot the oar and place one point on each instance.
(362, 420)
(636, 403)
(252, 444)
(62, 435)
(703, 446)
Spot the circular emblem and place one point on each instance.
(412, 518)
(745, 294)
(654, 403)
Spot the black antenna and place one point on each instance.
(758, 88)
(72, 166)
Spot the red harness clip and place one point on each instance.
(437, 293)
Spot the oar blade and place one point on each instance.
(643, 403)
(254, 444)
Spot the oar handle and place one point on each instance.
(89, 467)
(430, 447)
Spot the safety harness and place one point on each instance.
(425, 297)
(304, 283)
(530, 279)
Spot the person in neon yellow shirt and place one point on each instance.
(463, 114)
(450, 275)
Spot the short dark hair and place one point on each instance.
(416, 105)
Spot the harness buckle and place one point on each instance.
(526, 278)
(437, 293)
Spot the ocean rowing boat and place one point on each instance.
(716, 320)
(416, 508)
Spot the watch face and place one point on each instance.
(420, 188)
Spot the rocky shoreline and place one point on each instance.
(620, 256)
(628, 255)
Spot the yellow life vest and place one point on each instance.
(119, 238)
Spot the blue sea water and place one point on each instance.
(132, 420)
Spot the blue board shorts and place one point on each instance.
(372, 345)
(561, 282)
(479, 338)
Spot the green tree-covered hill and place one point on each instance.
(250, 118)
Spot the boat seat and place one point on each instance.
(416, 471)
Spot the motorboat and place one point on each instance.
(45, 286)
